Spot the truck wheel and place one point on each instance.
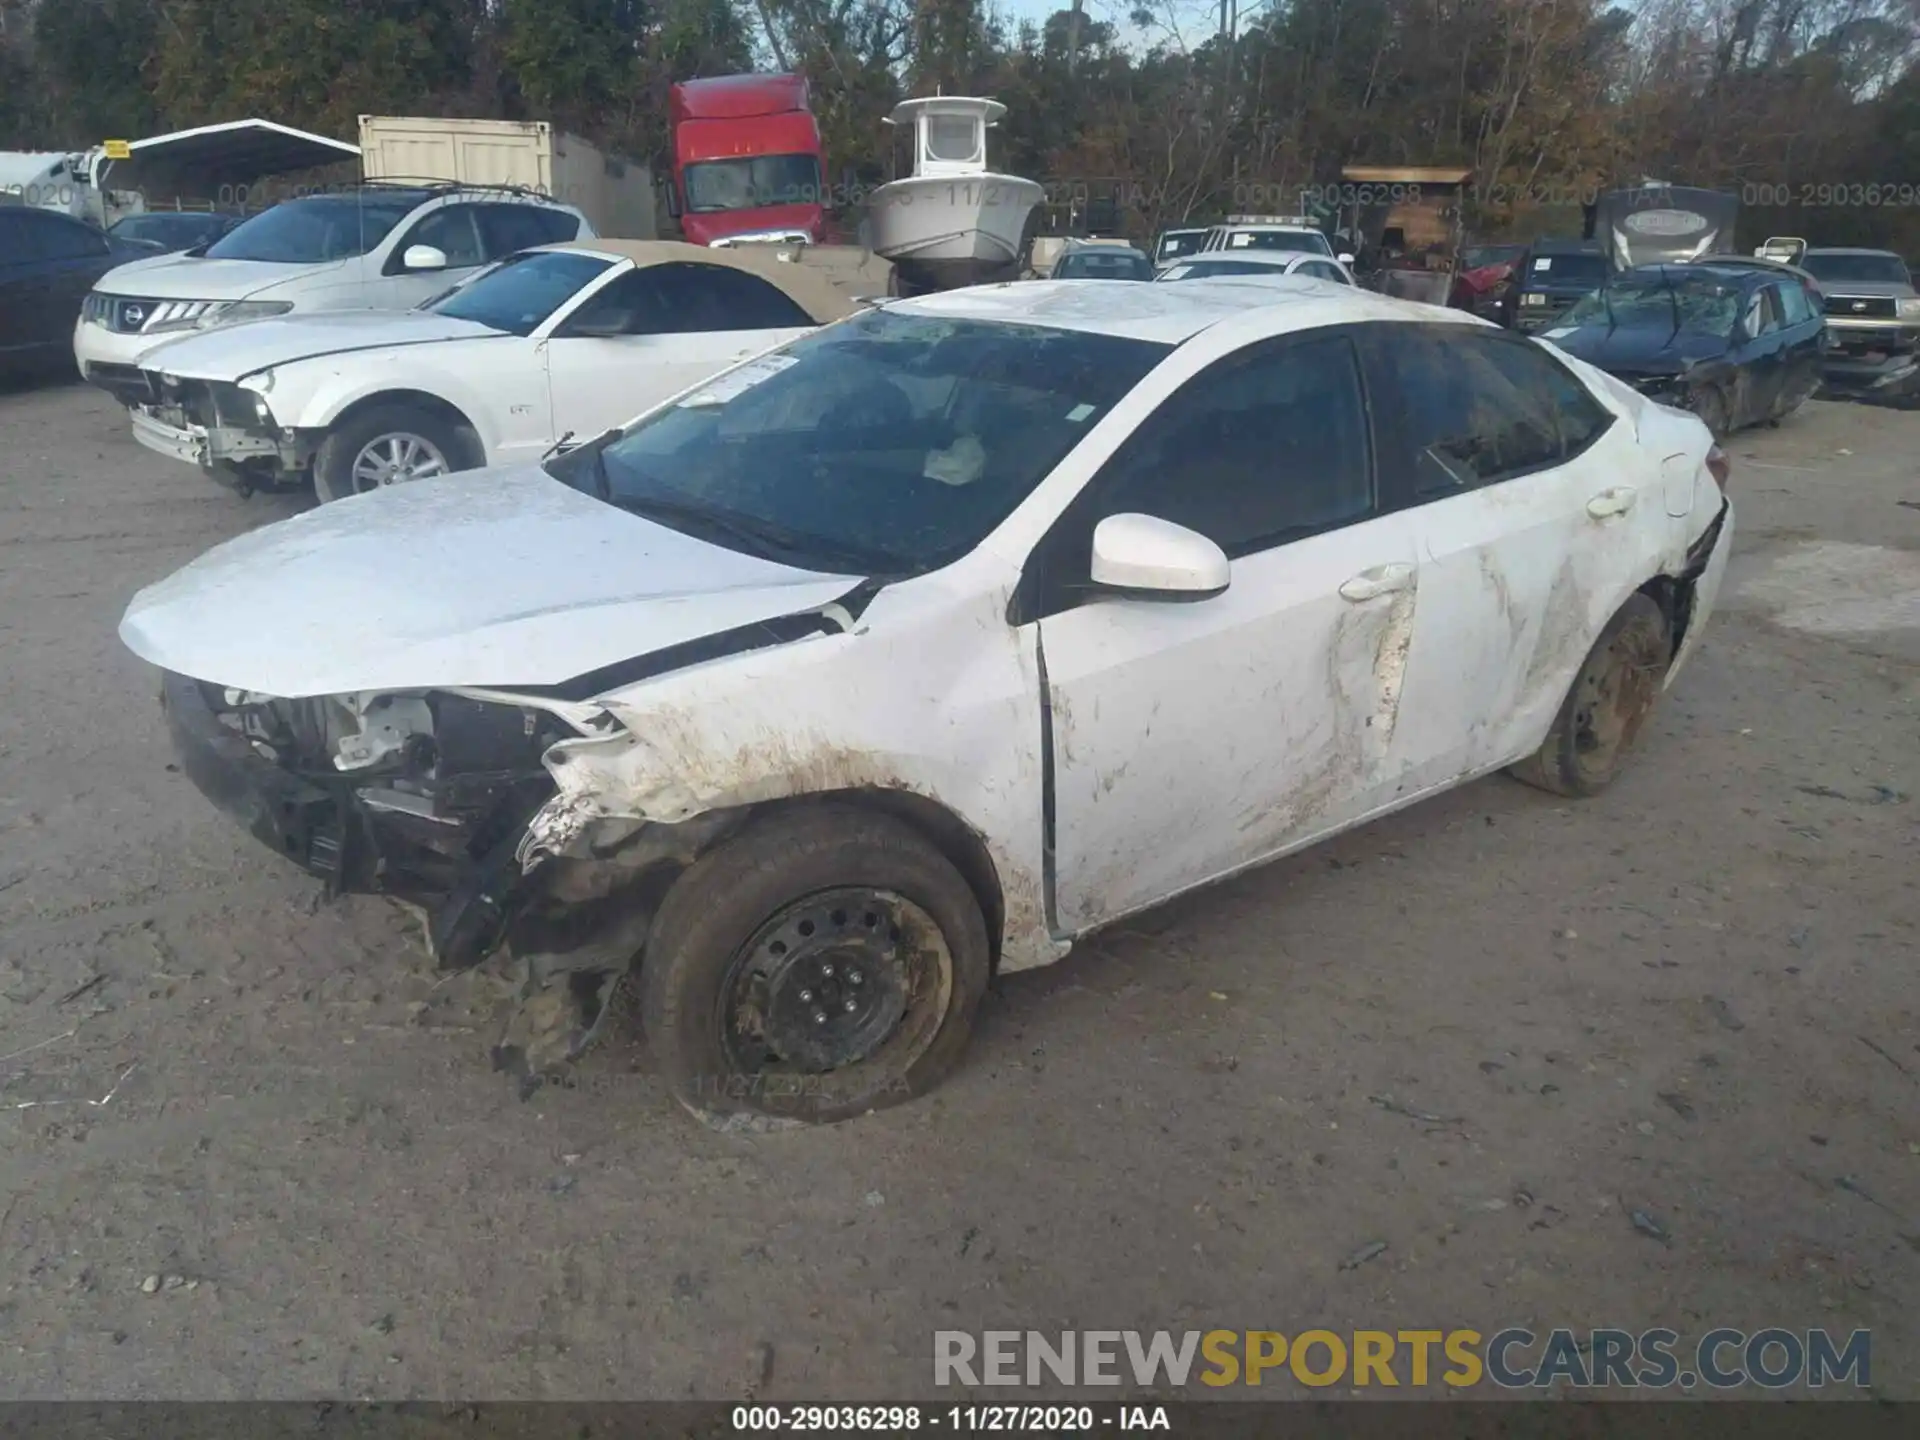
(822, 963)
(388, 445)
(1610, 700)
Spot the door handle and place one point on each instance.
(1381, 580)
(1609, 503)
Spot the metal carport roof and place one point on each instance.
(208, 157)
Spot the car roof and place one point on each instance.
(1275, 258)
(1758, 265)
(1565, 245)
(1169, 314)
(806, 287)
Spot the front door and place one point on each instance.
(655, 332)
(1192, 739)
(451, 229)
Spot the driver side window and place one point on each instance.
(1763, 313)
(629, 306)
(450, 230)
(1264, 447)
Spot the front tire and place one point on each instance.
(1606, 706)
(389, 445)
(824, 962)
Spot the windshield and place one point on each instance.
(748, 184)
(182, 230)
(317, 229)
(1859, 269)
(1703, 306)
(1180, 242)
(1308, 241)
(1569, 269)
(1102, 265)
(519, 293)
(1214, 269)
(889, 443)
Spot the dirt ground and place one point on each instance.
(1696, 997)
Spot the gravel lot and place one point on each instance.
(1695, 997)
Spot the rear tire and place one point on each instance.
(824, 962)
(1606, 706)
(342, 465)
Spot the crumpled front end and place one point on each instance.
(220, 426)
(421, 797)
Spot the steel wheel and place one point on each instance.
(839, 978)
(1614, 695)
(397, 458)
(1607, 705)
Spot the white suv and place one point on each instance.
(374, 247)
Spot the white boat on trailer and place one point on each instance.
(955, 222)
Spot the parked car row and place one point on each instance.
(829, 679)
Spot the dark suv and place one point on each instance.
(1549, 278)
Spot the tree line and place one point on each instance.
(1808, 108)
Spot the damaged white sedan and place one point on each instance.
(934, 640)
(551, 343)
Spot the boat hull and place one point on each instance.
(942, 233)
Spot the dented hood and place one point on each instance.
(233, 352)
(493, 578)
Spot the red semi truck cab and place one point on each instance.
(746, 157)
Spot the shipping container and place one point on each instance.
(614, 193)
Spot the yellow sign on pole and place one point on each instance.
(117, 150)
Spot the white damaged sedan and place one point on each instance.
(935, 640)
(554, 342)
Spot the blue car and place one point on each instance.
(1738, 343)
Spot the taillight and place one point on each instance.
(1719, 466)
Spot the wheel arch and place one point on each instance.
(943, 828)
(436, 405)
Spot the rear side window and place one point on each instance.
(1483, 408)
(1796, 305)
(507, 228)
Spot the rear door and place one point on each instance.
(1191, 739)
(1803, 328)
(1535, 509)
(1762, 356)
(675, 325)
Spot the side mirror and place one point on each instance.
(607, 325)
(423, 257)
(1147, 558)
(673, 197)
(1344, 258)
